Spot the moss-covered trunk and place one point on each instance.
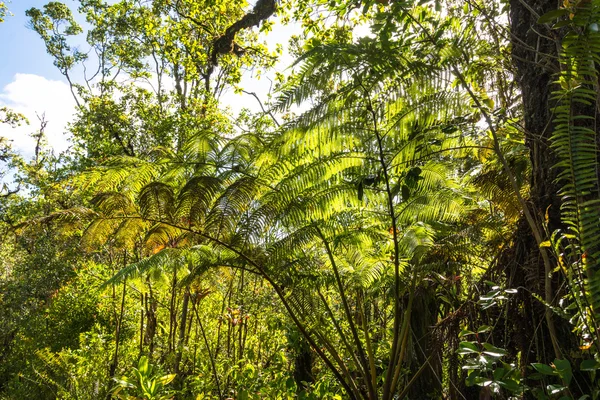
(535, 50)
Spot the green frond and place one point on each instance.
(574, 140)
(196, 197)
(124, 174)
(286, 247)
(72, 216)
(162, 235)
(114, 203)
(163, 260)
(157, 201)
(231, 205)
(129, 233)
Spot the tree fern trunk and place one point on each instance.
(535, 50)
(303, 364)
(522, 263)
(424, 316)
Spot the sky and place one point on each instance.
(30, 84)
(21, 49)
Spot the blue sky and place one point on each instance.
(21, 48)
(29, 82)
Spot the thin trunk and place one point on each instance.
(388, 388)
(183, 320)
(365, 327)
(189, 329)
(338, 328)
(115, 361)
(151, 321)
(364, 364)
(142, 323)
(172, 312)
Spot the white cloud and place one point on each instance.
(33, 95)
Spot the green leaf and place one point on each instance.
(511, 385)
(289, 383)
(543, 369)
(467, 347)
(563, 367)
(554, 389)
(124, 382)
(484, 329)
(493, 350)
(561, 24)
(552, 15)
(166, 379)
(472, 378)
(589, 365)
(143, 365)
(499, 373)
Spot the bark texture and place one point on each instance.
(534, 57)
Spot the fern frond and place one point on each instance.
(575, 141)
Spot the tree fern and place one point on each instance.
(575, 138)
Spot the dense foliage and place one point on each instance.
(413, 213)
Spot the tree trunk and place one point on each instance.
(535, 50)
(183, 321)
(534, 59)
(428, 385)
(151, 322)
(303, 364)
